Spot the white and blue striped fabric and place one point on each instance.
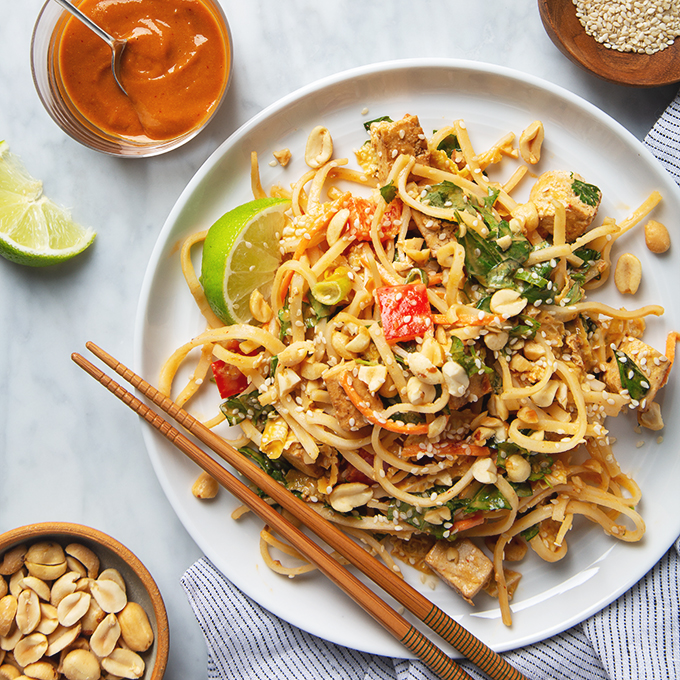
(635, 638)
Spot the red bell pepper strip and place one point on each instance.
(468, 522)
(349, 473)
(404, 312)
(229, 379)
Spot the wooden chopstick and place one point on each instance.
(495, 666)
(393, 622)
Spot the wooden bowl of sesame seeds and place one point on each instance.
(627, 42)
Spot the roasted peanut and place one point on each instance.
(507, 302)
(109, 595)
(530, 142)
(651, 418)
(283, 156)
(113, 575)
(259, 307)
(95, 614)
(81, 664)
(28, 611)
(30, 649)
(13, 560)
(41, 670)
(319, 148)
(518, 468)
(44, 559)
(61, 638)
(8, 610)
(124, 663)
(336, 226)
(85, 556)
(72, 608)
(38, 586)
(657, 237)
(75, 565)
(346, 497)
(9, 641)
(9, 672)
(47, 572)
(15, 580)
(63, 586)
(628, 274)
(48, 612)
(48, 619)
(205, 487)
(105, 637)
(496, 341)
(84, 584)
(135, 627)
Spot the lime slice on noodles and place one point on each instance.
(240, 254)
(33, 230)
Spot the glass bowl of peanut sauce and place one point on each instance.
(176, 70)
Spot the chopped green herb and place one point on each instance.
(388, 192)
(471, 361)
(526, 328)
(588, 193)
(488, 498)
(530, 533)
(632, 377)
(237, 409)
(368, 123)
(449, 144)
(447, 195)
(276, 469)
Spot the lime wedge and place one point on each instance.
(33, 230)
(241, 253)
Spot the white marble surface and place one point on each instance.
(68, 450)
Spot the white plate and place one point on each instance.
(492, 101)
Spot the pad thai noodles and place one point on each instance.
(429, 368)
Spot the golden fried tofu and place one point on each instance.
(436, 233)
(653, 364)
(298, 458)
(580, 205)
(346, 413)
(390, 139)
(480, 385)
(462, 565)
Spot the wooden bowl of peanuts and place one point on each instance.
(623, 45)
(77, 604)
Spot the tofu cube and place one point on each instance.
(461, 565)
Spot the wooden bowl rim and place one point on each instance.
(670, 54)
(46, 529)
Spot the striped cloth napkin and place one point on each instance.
(637, 636)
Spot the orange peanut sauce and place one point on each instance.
(174, 68)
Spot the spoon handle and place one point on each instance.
(87, 21)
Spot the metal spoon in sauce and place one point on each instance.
(117, 46)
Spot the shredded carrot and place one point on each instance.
(468, 523)
(376, 418)
(671, 340)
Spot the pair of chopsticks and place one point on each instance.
(450, 630)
